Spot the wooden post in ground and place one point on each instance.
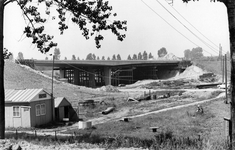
(222, 68)
(225, 76)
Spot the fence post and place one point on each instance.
(16, 134)
(228, 129)
(75, 135)
(55, 136)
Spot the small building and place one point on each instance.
(64, 110)
(27, 108)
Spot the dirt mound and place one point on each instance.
(108, 88)
(192, 72)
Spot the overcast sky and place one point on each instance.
(146, 30)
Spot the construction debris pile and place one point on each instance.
(172, 84)
(108, 88)
(207, 77)
(192, 72)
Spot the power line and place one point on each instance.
(171, 25)
(208, 45)
(194, 27)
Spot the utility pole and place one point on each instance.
(2, 91)
(222, 65)
(220, 52)
(52, 96)
(225, 75)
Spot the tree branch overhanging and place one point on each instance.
(83, 12)
(7, 2)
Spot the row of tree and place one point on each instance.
(90, 56)
(194, 54)
(140, 56)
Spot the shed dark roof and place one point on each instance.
(61, 101)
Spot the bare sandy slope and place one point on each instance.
(20, 77)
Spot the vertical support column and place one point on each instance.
(91, 77)
(76, 77)
(107, 76)
(62, 73)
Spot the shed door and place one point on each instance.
(25, 111)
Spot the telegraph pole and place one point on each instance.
(223, 62)
(225, 75)
(52, 96)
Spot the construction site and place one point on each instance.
(185, 104)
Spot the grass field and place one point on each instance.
(176, 127)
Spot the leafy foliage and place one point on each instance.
(93, 57)
(89, 56)
(140, 57)
(119, 57)
(57, 54)
(92, 17)
(20, 55)
(162, 52)
(73, 57)
(134, 57)
(187, 54)
(114, 57)
(145, 55)
(150, 56)
(194, 54)
(6, 54)
(129, 57)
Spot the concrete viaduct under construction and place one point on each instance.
(96, 73)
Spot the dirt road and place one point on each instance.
(119, 115)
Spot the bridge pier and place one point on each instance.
(107, 75)
(91, 77)
(76, 76)
(61, 73)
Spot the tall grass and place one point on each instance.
(162, 141)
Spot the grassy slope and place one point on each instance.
(182, 122)
(18, 77)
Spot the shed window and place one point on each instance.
(37, 110)
(43, 109)
(40, 109)
(16, 111)
(42, 96)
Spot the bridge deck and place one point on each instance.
(111, 63)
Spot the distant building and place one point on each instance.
(27, 108)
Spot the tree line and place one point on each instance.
(197, 54)
(90, 56)
(139, 56)
(194, 54)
